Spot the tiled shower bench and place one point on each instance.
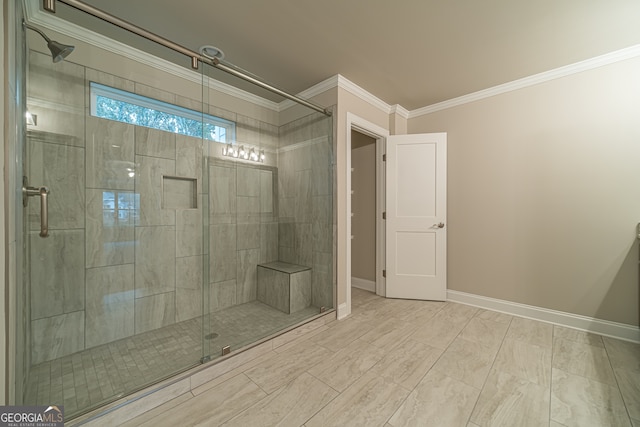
(284, 286)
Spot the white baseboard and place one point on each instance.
(597, 326)
(367, 285)
(343, 311)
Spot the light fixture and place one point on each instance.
(32, 119)
(249, 153)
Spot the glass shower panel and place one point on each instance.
(116, 291)
(271, 234)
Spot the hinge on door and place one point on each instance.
(384, 273)
(384, 157)
(384, 215)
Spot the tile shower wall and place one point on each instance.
(305, 234)
(118, 261)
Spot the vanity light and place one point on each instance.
(249, 153)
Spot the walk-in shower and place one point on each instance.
(187, 219)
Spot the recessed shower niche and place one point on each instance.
(179, 192)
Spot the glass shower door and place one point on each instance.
(114, 294)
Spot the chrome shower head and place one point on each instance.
(58, 50)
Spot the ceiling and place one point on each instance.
(409, 52)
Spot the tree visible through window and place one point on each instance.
(114, 104)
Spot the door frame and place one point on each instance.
(380, 134)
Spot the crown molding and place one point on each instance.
(578, 67)
(368, 97)
(400, 110)
(34, 15)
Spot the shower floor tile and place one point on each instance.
(96, 376)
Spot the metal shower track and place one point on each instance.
(196, 57)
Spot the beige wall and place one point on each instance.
(4, 318)
(363, 206)
(543, 188)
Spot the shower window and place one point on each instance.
(119, 105)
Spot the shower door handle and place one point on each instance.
(43, 192)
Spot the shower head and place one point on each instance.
(58, 50)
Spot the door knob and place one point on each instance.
(439, 225)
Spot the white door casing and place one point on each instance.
(416, 231)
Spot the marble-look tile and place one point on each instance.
(148, 184)
(54, 337)
(286, 234)
(494, 316)
(467, 361)
(583, 359)
(634, 422)
(155, 143)
(389, 333)
(321, 209)
(303, 196)
(110, 238)
(485, 332)
(110, 304)
(299, 291)
(272, 374)
(57, 273)
(189, 159)
(154, 92)
(155, 260)
(304, 250)
(110, 154)
(437, 400)
(146, 416)
(525, 361)
(248, 209)
(322, 280)
(247, 275)
(268, 135)
(222, 195)
(247, 130)
(322, 237)
(629, 384)
(107, 79)
(248, 181)
(140, 406)
(266, 193)
(189, 292)
(224, 255)
(623, 355)
(407, 363)
(577, 336)
(179, 193)
(268, 242)
(61, 168)
(248, 236)
(214, 406)
(506, 400)
(369, 401)
(441, 330)
(340, 335)
(291, 405)
(223, 295)
(531, 331)
(298, 332)
(189, 232)
(155, 311)
(273, 288)
(579, 401)
(555, 424)
(347, 365)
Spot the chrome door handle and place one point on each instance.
(43, 192)
(439, 225)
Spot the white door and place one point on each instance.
(416, 235)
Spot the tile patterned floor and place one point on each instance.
(413, 363)
(95, 376)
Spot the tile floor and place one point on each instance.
(415, 363)
(93, 377)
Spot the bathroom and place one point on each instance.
(167, 250)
